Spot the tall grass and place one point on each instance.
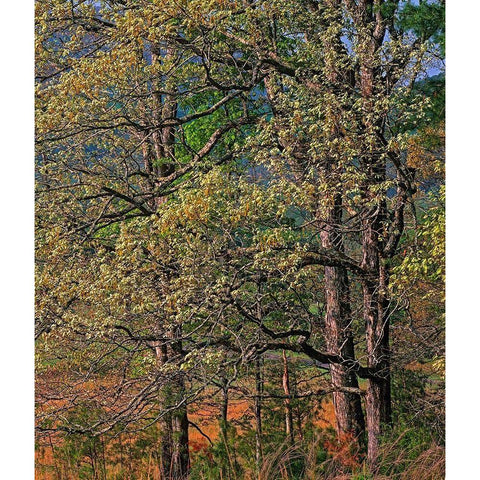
(321, 456)
(303, 462)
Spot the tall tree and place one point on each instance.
(114, 134)
(237, 173)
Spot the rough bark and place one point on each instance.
(375, 312)
(375, 302)
(338, 332)
(376, 317)
(378, 395)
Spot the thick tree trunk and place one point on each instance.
(375, 302)
(378, 396)
(180, 455)
(338, 333)
(375, 307)
(348, 407)
(338, 330)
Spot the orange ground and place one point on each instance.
(207, 420)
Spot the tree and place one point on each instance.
(117, 144)
(238, 176)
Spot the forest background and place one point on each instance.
(18, 200)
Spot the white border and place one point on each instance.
(16, 247)
(463, 240)
(16, 240)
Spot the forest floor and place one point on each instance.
(205, 417)
(56, 460)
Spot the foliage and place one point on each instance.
(221, 181)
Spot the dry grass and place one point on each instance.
(399, 465)
(395, 464)
(343, 462)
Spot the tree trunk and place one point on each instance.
(375, 307)
(166, 426)
(338, 334)
(174, 463)
(288, 406)
(180, 455)
(378, 396)
(224, 411)
(175, 453)
(348, 407)
(258, 413)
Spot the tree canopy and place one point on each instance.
(220, 183)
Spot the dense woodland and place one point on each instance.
(239, 239)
